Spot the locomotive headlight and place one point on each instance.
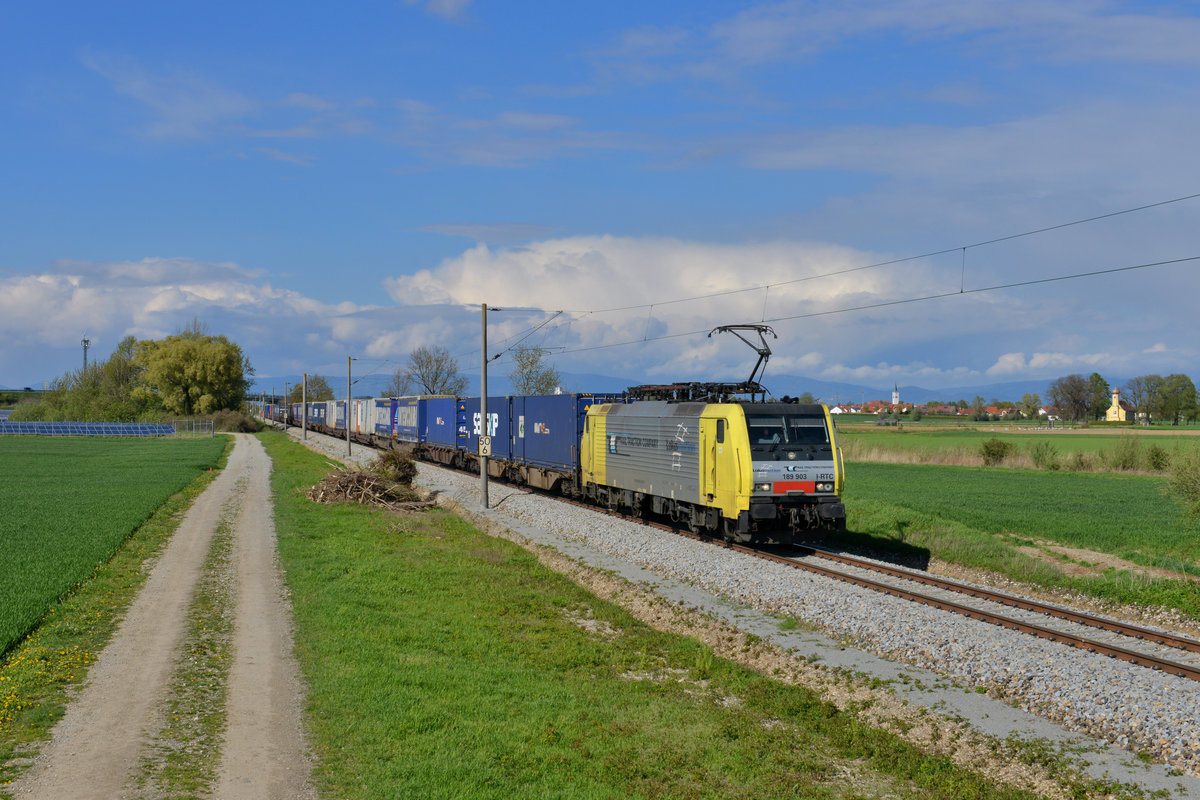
(763, 487)
(824, 487)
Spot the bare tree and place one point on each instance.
(433, 370)
(530, 374)
(400, 384)
(1143, 393)
(1072, 395)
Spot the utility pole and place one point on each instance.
(485, 440)
(287, 407)
(304, 409)
(348, 360)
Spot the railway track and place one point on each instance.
(1127, 642)
(957, 598)
(973, 601)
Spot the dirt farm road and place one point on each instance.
(110, 732)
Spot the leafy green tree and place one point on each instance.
(977, 409)
(531, 374)
(1101, 396)
(1177, 398)
(1031, 404)
(318, 390)
(193, 373)
(100, 392)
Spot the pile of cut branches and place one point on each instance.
(367, 487)
(395, 465)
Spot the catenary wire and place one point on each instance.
(901, 301)
(889, 262)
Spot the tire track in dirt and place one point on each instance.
(96, 749)
(265, 753)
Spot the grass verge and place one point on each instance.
(38, 673)
(446, 663)
(979, 517)
(185, 752)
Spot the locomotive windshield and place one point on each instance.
(790, 430)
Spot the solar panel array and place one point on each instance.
(86, 429)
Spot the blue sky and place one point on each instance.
(316, 182)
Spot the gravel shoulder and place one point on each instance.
(97, 748)
(944, 682)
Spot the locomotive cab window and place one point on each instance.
(789, 429)
(807, 430)
(720, 431)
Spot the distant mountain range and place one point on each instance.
(827, 392)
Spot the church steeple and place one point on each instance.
(896, 394)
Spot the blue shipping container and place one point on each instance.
(549, 427)
(440, 425)
(499, 411)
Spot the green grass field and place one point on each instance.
(66, 504)
(978, 516)
(446, 663)
(951, 444)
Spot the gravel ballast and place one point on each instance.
(938, 659)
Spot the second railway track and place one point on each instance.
(973, 601)
(1146, 711)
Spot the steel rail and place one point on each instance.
(1080, 642)
(1041, 631)
(1003, 598)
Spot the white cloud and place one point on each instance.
(310, 102)
(634, 307)
(450, 10)
(1031, 30)
(43, 316)
(290, 158)
(186, 104)
(1063, 146)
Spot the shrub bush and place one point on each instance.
(1184, 481)
(995, 450)
(1157, 458)
(1080, 462)
(30, 412)
(235, 422)
(1126, 456)
(1044, 455)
